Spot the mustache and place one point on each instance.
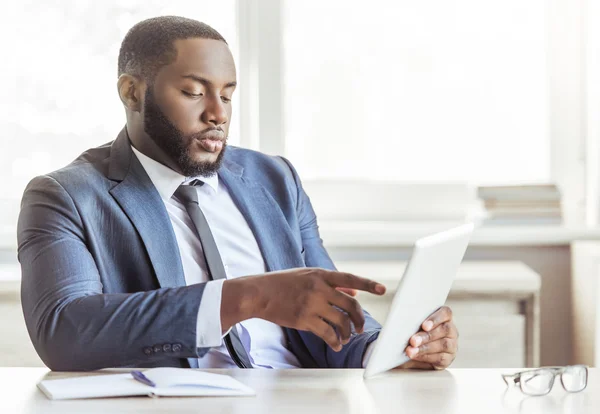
(214, 134)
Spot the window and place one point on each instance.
(415, 91)
(61, 81)
(392, 107)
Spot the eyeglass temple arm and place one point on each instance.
(514, 377)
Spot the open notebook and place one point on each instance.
(170, 382)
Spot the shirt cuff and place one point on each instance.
(208, 324)
(368, 353)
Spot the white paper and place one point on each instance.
(93, 386)
(170, 382)
(174, 377)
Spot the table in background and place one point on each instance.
(317, 391)
(496, 306)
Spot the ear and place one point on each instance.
(131, 89)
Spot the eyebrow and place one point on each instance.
(205, 81)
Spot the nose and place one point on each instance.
(215, 112)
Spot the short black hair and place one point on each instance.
(149, 45)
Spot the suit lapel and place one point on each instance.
(265, 218)
(140, 200)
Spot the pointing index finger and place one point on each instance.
(348, 280)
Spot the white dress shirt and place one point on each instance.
(264, 341)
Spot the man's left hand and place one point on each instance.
(436, 344)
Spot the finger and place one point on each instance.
(441, 360)
(416, 365)
(443, 314)
(445, 330)
(444, 345)
(351, 307)
(323, 330)
(348, 280)
(351, 292)
(341, 322)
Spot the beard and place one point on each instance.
(173, 142)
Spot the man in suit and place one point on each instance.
(166, 248)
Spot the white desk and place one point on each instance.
(321, 391)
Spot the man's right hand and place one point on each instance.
(302, 298)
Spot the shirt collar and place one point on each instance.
(167, 180)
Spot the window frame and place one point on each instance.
(566, 56)
(574, 85)
(591, 71)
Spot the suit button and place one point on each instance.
(157, 348)
(176, 347)
(167, 348)
(148, 351)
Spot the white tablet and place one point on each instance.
(422, 290)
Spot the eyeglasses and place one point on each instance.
(540, 381)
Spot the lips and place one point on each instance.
(212, 140)
(211, 145)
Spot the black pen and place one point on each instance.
(138, 376)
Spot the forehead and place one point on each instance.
(208, 58)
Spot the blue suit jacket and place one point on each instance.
(102, 279)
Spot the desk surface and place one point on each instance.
(320, 391)
(405, 233)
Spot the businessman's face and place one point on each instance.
(187, 109)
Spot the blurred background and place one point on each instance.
(402, 118)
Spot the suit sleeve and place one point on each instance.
(73, 325)
(351, 355)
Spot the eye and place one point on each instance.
(225, 99)
(192, 95)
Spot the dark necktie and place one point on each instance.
(188, 195)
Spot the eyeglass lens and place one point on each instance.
(537, 382)
(574, 378)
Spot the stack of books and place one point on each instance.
(521, 205)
